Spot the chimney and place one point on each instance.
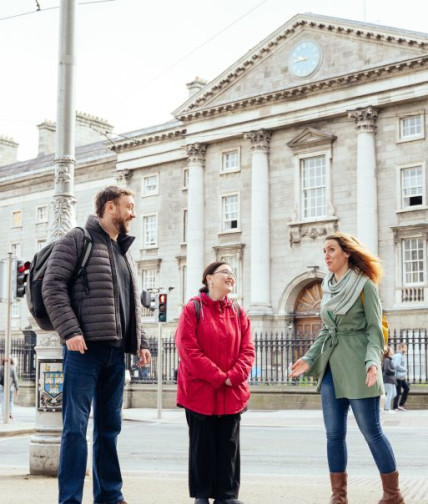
(90, 129)
(195, 86)
(47, 130)
(8, 151)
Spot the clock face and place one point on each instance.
(305, 58)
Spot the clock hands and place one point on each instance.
(300, 58)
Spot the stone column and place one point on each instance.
(195, 217)
(260, 230)
(367, 211)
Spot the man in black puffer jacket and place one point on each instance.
(98, 319)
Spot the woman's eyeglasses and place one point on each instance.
(226, 272)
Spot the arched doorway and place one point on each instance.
(307, 320)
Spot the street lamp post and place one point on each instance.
(45, 444)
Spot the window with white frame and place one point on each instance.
(314, 187)
(230, 212)
(40, 244)
(412, 193)
(16, 249)
(17, 218)
(411, 127)
(230, 161)
(42, 214)
(16, 310)
(185, 214)
(149, 279)
(184, 284)
(185, 178)
(413, 254)
(150, 185)
(150, 230)
(233, 261)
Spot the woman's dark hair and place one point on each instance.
(110, 193)
(209, 270)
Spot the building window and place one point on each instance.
(411, 127)
(185, 213)
(42, 214)
(150, 185)
(40, 244)
(233, 261)
(16, 249)
(184, 284)
(185, 178)
(17, 218)
(150, 230)
(230, 212)
(230, 161)
(413, 261)
(314, 187)
(412, 186)
(149, 279)
(16, 311)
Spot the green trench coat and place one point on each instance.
(350, 343)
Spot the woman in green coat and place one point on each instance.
(346, 360)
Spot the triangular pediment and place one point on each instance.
(346, 48)
(310, 137)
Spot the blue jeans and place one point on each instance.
(367, 415)
(96, 376)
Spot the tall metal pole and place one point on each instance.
(63, 218)
(159, 370)
(7, 342)
(45, 444)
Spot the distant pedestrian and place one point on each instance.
(98, 319)
(403, 387)
(389, 379)
(14, 386)
(346, 360)
(216, 355)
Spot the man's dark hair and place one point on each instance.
(110, 193)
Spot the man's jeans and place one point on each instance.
(367, 415)
(98, 375)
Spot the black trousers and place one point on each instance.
(402, 392)
(214, 455)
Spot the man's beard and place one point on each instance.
(120, 225)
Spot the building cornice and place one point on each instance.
(342, 81)
(149, 139)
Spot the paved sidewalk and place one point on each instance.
(17, 487)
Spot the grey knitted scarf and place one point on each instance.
(340, 296)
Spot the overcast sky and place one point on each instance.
(135, 57)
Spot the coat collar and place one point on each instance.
(94, 226)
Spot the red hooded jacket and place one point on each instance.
(217, 347)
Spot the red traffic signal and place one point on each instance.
(22, 270)
(162, 306)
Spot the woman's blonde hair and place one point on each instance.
(359, 256)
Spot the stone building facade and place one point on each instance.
(319, 127)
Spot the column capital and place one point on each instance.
(196, 152)
(365, 118)
(122, 177)
(259, 139)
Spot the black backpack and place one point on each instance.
(33, 289)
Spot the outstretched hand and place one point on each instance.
(298, 368)
(371, 378)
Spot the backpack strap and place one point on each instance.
(197, 305)
(84, 257)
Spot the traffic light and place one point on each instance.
(161, 306)
(148, 300)
(22, 270)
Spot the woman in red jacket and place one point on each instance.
(216, 355)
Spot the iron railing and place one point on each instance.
(276, 351)
(24, 356)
